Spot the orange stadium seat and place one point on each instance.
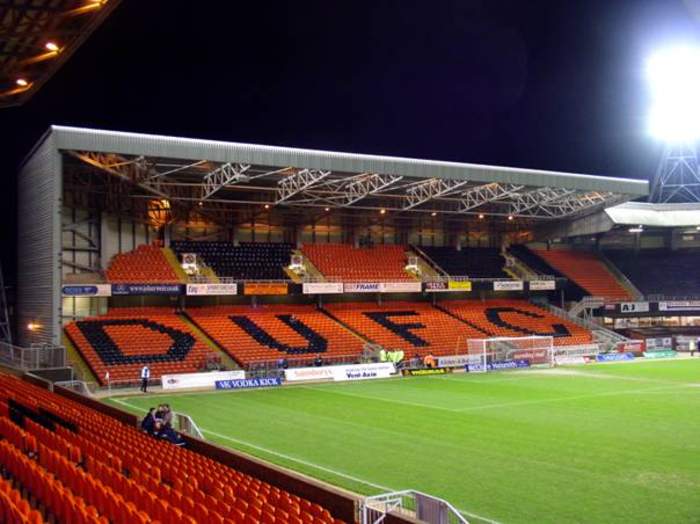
(144, 264)
(268, 333)
(587, 270)
(125, 339)
(113, 480)
(343, 262)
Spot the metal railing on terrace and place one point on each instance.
(35, 356)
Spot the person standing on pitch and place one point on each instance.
(145, 375)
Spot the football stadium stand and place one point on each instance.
(517, 318)
(146, 263)
(413, 327)
(269, 333)
(587, 270)
(247, 261)
(660, 271)
(78, 465)
(382, 263)
(125, 339)
(475, 262)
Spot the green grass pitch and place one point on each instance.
(601, 443)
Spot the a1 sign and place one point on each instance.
(634, 307)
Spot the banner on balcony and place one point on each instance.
(459, 285)
(508, 285)
(322, 288)
(542, 285)
(147, 289)
(212, 289)
(87, 290)
(265, 288)
(363, 287)
(401, 287)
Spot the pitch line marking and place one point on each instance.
(307, 463)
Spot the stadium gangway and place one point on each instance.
(409, 503)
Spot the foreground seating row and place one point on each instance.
(81, 466)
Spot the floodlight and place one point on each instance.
(674, 81)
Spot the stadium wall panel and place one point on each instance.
(39, 246)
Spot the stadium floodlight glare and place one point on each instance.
(674, 79)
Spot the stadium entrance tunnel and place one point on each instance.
(111, 354)
(316, 343)
(383, 318)
(493, 314)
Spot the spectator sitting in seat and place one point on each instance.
(149, 421)
(319, 361)
(160, 412)
(169, 434)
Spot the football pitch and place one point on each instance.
(597, 443)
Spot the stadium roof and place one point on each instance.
(205, 173)
(38, 36)
(655, 215)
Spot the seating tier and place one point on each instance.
(125, 339)
(145, 264)
(272, 332)
(343, 262)
(587, 270)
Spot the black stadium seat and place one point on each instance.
(247, 261)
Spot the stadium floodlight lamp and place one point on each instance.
(674, 79)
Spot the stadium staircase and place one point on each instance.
(604, 337)
(621, 277)
(81, 369)
(424, 268)
(312, 272)
(422, 257)
(171, 257)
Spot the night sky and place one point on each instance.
(541, 84)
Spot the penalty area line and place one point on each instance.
(307, 463)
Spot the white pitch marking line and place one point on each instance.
(309, 464)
